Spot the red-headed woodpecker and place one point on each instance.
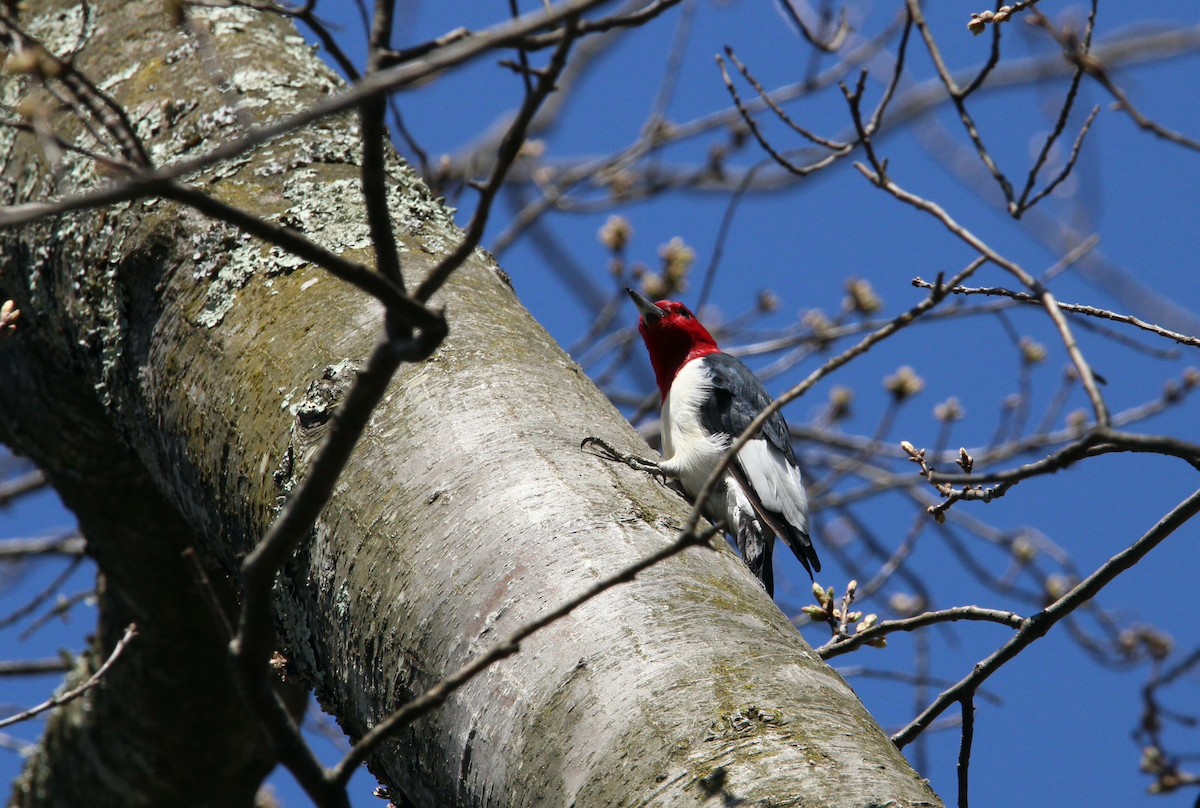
(708, 400)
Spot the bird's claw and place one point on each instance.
(605, 450)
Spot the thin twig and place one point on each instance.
(51, 141)
(766, 98)
(1091, 311)
(1080, 55)
(321, 31)
(1048, 301)
(833, 43)
(34, 667)
(854, 100)
(1037, 627)
(47, 592)
(718, 249)
(152, 183)
(67, 544)
(634, 19)
(372, 114)
(984, 18)
(76, 692)
(958, 97)
(908, 678)
(837, 647)
(1064, 114)
(208, 593)
(18, 487)
(752, 125)
(61, 608)
(555, 191)
(1142, 121)
(357, 275)
(1076, 147)
(1095, 442)
(89, 101)
(670, 79)
(436, 695)
(510, 148)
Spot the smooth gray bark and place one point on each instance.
(158, 377)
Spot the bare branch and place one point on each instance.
(958, 96)
(825, 42)
(1048, 301)
(436, 695)
(778, 157)
(74, 693)
(1024, 204)
(255, 640)
(1038, 626)
(373, 175)
(837, 647)
(152, 183)
(27, 483)
(981, 19)
(1081, 56)
(1091, 311)
(34, 667)
(1143, 122)
(88, 100)
(49, 590)
(66, 544)
(766, 98)
(509, 149)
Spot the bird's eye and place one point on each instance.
(685, 314)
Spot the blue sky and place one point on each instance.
(1061, 732)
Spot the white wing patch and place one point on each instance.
(776, 481)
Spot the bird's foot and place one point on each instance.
(603, 449)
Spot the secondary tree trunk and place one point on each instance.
(172, 376)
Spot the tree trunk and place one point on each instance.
(173, 376)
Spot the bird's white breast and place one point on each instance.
(689, 452)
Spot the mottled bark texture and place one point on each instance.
(172, 376)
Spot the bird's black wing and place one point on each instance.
(738, 397)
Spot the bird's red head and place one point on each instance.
(673, 337)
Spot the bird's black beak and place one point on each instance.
(650, 312)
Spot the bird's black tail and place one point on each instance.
(802, 546)
(773, 523)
